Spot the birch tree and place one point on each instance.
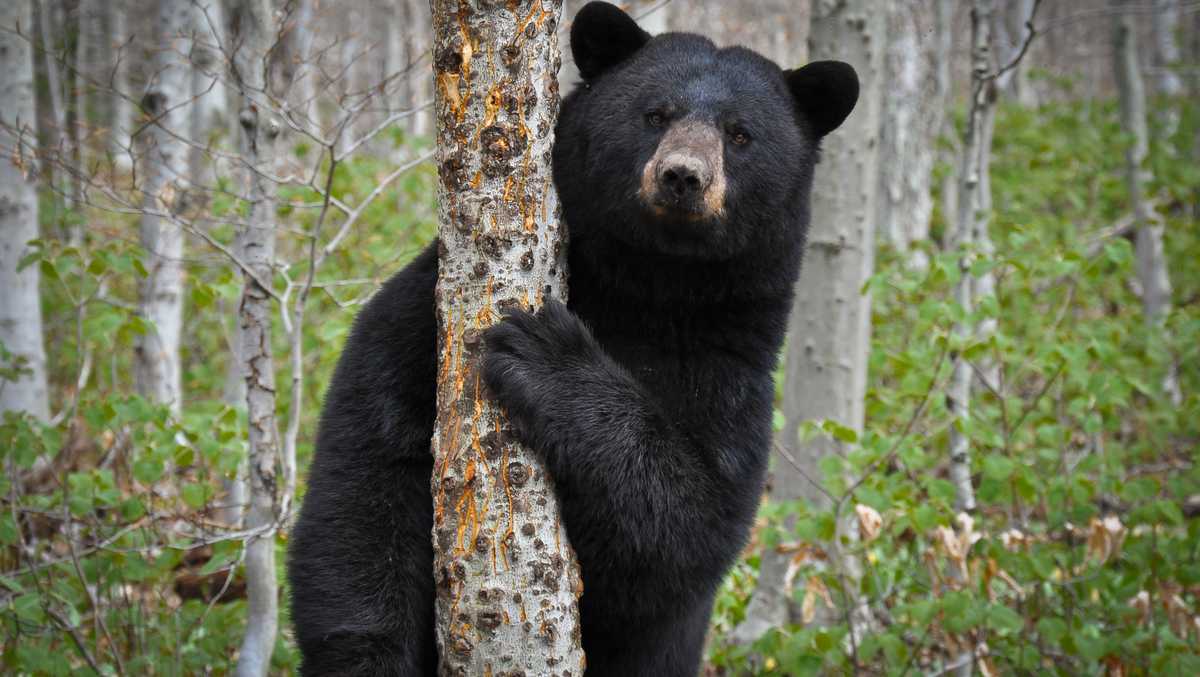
(912, 119)
(165, 195)
(829, 332)
(120, 143)
(1011, 35)
(252, 20)
(20, 303)
(305, 80)
(208, 98)
(943, 21)
(507, 580)
(1166, 47)
(49, 24)
(1153, 277)
(972, 219)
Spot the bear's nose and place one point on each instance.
(683, 176)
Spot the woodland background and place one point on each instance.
(988, 413)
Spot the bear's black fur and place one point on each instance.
(648, 395)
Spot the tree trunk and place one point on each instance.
(972, 220)
(156, 353)
(1153, 277)
(1011, 32)
(422, 123)
(306, 71)
(826, 364)
(49, 27)
(20, 303)
(120, 142)
(208, 109)
(944, 38)
(67, 15)
(87, 59)
(233, 394)
(1166, 47)
(912, 118)
(410, 88)
(506, 598)
(252, 20)
(344, 121)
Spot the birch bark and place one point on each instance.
(911, 121)
(829, 332)
(165, 194)
(1152, 273)
(306, 80)
(120, 142)
(1166, 47)
(506, 576)
(972, 219)
(20, 302)
(944, 38)
(252, 20)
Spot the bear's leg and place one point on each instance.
(361, 564)
(362, 580)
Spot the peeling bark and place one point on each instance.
(507, 579)
(20, 302)
(252, 20)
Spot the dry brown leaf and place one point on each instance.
(814, 589)
(1105, 537)
(869, 522)
(166, 197)
(1141, 602)
(1178, 614)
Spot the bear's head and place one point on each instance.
(673, 146)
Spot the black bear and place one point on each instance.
(684, 171)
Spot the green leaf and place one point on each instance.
(132, 509)
(11, 584)
(840, 432)
(8, 530)
(1004, 619)
(1169, 512)
(29, 607)
(148, 470)
(998, 468)
(942, 490)
(925, 518)
(195, 495)
(1052, 629)
(223, 556)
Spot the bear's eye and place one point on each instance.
(739, 136)
(656, 119)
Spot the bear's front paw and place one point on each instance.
(529, 357)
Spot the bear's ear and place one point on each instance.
(825, 92)
(602, 37)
